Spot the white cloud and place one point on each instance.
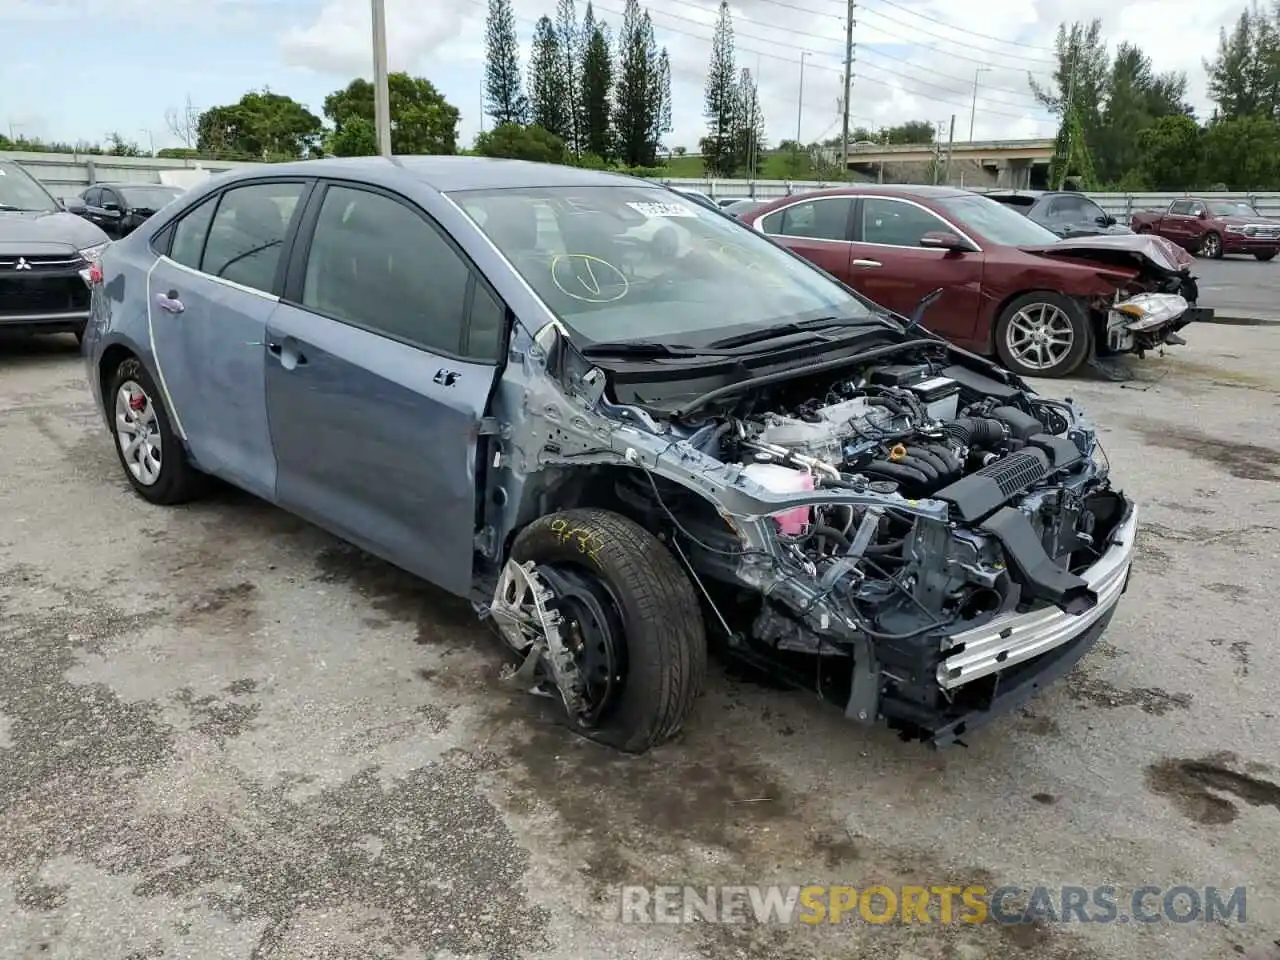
(915, 60)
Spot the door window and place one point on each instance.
(248, 232)
(1196, 209)
(824, 219)
(377, 264)
(189, 234)
(898, 224)
(1180, 208)
(92, 196)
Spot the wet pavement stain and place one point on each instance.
(1232, 591)
(1094, 691)
(1244, 460)
(1196, 788)
(1238, 650)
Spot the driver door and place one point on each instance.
(897, 272)
(380, 361)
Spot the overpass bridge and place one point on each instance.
(1016, 164)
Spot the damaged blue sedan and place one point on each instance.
(627, 428)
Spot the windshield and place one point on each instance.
(637, 263)
(148, 198)
(21, 191)
(995, 222)
(1232, 208)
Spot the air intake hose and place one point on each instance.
(975, 431)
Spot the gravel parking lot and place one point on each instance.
(223, 734)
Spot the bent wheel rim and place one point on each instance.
(1040, 336)
(138, 432)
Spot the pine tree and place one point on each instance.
(571, 65)
(721, 99)
(548, 93)
(504, 97)
(664, 96)
(633, 119)
(597, 86)
(748, 125)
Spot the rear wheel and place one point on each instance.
(1043, 334)
(1143, 229)
(154, 461)
(1268, 255)
(1211, 246)
(632, 645)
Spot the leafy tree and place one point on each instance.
(504, 97)
(1243, 152)
(549, 101)
(260, 126)
(913, 131)
(1244, 77)
(1135, 98)
(661, 98)
(636, 115)
(571, 67)
(518, 142)
(597, 87)
(1170, 154)
(1080, 76)
(422, 120)
(118, 146)
(721, 99)
(1071, 156)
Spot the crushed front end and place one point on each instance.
(909, 531)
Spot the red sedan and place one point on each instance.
(1009, 286)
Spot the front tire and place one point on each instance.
(1265, 257)
(1211, 246)
(1043, 334)
(661, 637)
(154, 461)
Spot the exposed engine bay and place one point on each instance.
(958, 501)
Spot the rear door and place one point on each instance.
(381, 360)
(819, 230)
(898, 272)
(1177, 223)
(209, 297)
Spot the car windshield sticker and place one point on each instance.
(663, 209)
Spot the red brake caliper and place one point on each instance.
(137, 402)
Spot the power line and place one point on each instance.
(959, 80)
(1040, 61)
(952, 26)
(949, 76)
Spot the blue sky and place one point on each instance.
(78, 69)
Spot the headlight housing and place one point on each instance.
(94, 254)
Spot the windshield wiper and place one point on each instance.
(641, 348)
(795, 326)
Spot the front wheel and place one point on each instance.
(1211, 246)
(1268, 255)
(630, 628)
(1043, 334)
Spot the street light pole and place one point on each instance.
(381, 91)
(973, 110)
(800, 99)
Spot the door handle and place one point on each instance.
(170, 302)
(288, 358)
(867, 263)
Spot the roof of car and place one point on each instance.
(446, 173)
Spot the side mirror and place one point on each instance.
(73, 205)
(941, 240)
(1202, 215)
(1106, 220)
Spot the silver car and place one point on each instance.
(623, 445)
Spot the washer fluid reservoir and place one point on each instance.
(780, 479)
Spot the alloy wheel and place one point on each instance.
(138, 432)
(1040, 336)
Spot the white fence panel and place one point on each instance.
(66, 174)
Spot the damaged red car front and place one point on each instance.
(1006, 286)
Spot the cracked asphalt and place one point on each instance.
(226, 736)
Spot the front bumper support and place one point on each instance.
(1010, 640)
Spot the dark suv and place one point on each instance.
(120, 208)
(46, 258)
(1066, 213)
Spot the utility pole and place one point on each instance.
(951, 142)
(937, 151)
(973, 110)
(381, 91)
(849, 24)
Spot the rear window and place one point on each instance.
(147, 197)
